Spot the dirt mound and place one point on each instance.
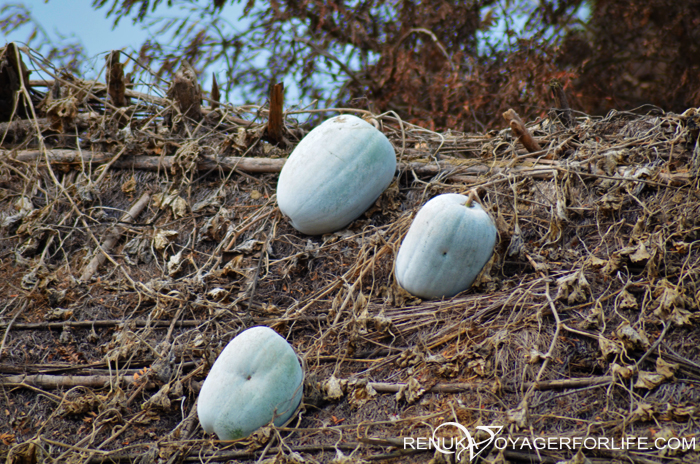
(139, 236)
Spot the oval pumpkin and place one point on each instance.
(335, 173)
(255, 379)
(445, 248)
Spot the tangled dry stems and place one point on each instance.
(585, 322)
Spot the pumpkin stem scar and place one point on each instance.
(470, 199)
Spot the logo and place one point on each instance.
(457, 443)
(454, 438)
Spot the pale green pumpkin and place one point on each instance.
(335, 174)
(445, 248)
(255, 380)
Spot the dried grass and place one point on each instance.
(585, 322)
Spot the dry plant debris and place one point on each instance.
(584, 323)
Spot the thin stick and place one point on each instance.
(63, 381)
(275, 121)
(186, 92)
(520, 131)
(561, 103)
(9, 326)
(116, 83)
(215, 93)
(113, 237)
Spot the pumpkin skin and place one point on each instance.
(255, 378)
(445, 248)
(335, 174)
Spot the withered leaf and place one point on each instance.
(666, 369)
(640, 253)
(627, 300)
(411, 391)
(608, 347)
(333, 388)
(573, 287)
(670, 301)
(625, 372)
(633, 339)
(649, 380)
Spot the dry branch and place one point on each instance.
(518, 127)
(562, 108)
(13, 73)
(275, 121)
(455, 169)
(215, 93)
(115, 79)
(65, 381)
(186, 92)
(386, 387)
(24, 126)
(113, 238)
(94, 324)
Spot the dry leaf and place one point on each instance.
(624, 372)
(130, 185)
(410, 392)
(519, 415)
(340, 458)
(649, 380)
(579, 458)
(177, 204)
(596, 262)
(669, 303)
(163, 238)
(644, 412)
(666, 369)
(640, 253)
(632, 339)
(573, 287)
(361, 392)
(160, 400)
(175, 264)
(333, 388)
(627, 300)
(608, 347)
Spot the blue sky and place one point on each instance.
(90, 26)
(81, 22)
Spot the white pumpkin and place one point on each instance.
(335, 173)
(257, 378)
(445, 248)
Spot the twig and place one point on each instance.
(520, 131)
(215, 93)
(275, 120)
(186, 92)
(81, 120)
(113, 237)
(185, 429)
(63, 381)
(563, 109)
(225, 454)
(9, 326)
(244, 227)
(651, 349)
(99, 323)
(250, 165)
(116, 84)
(386, 387)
